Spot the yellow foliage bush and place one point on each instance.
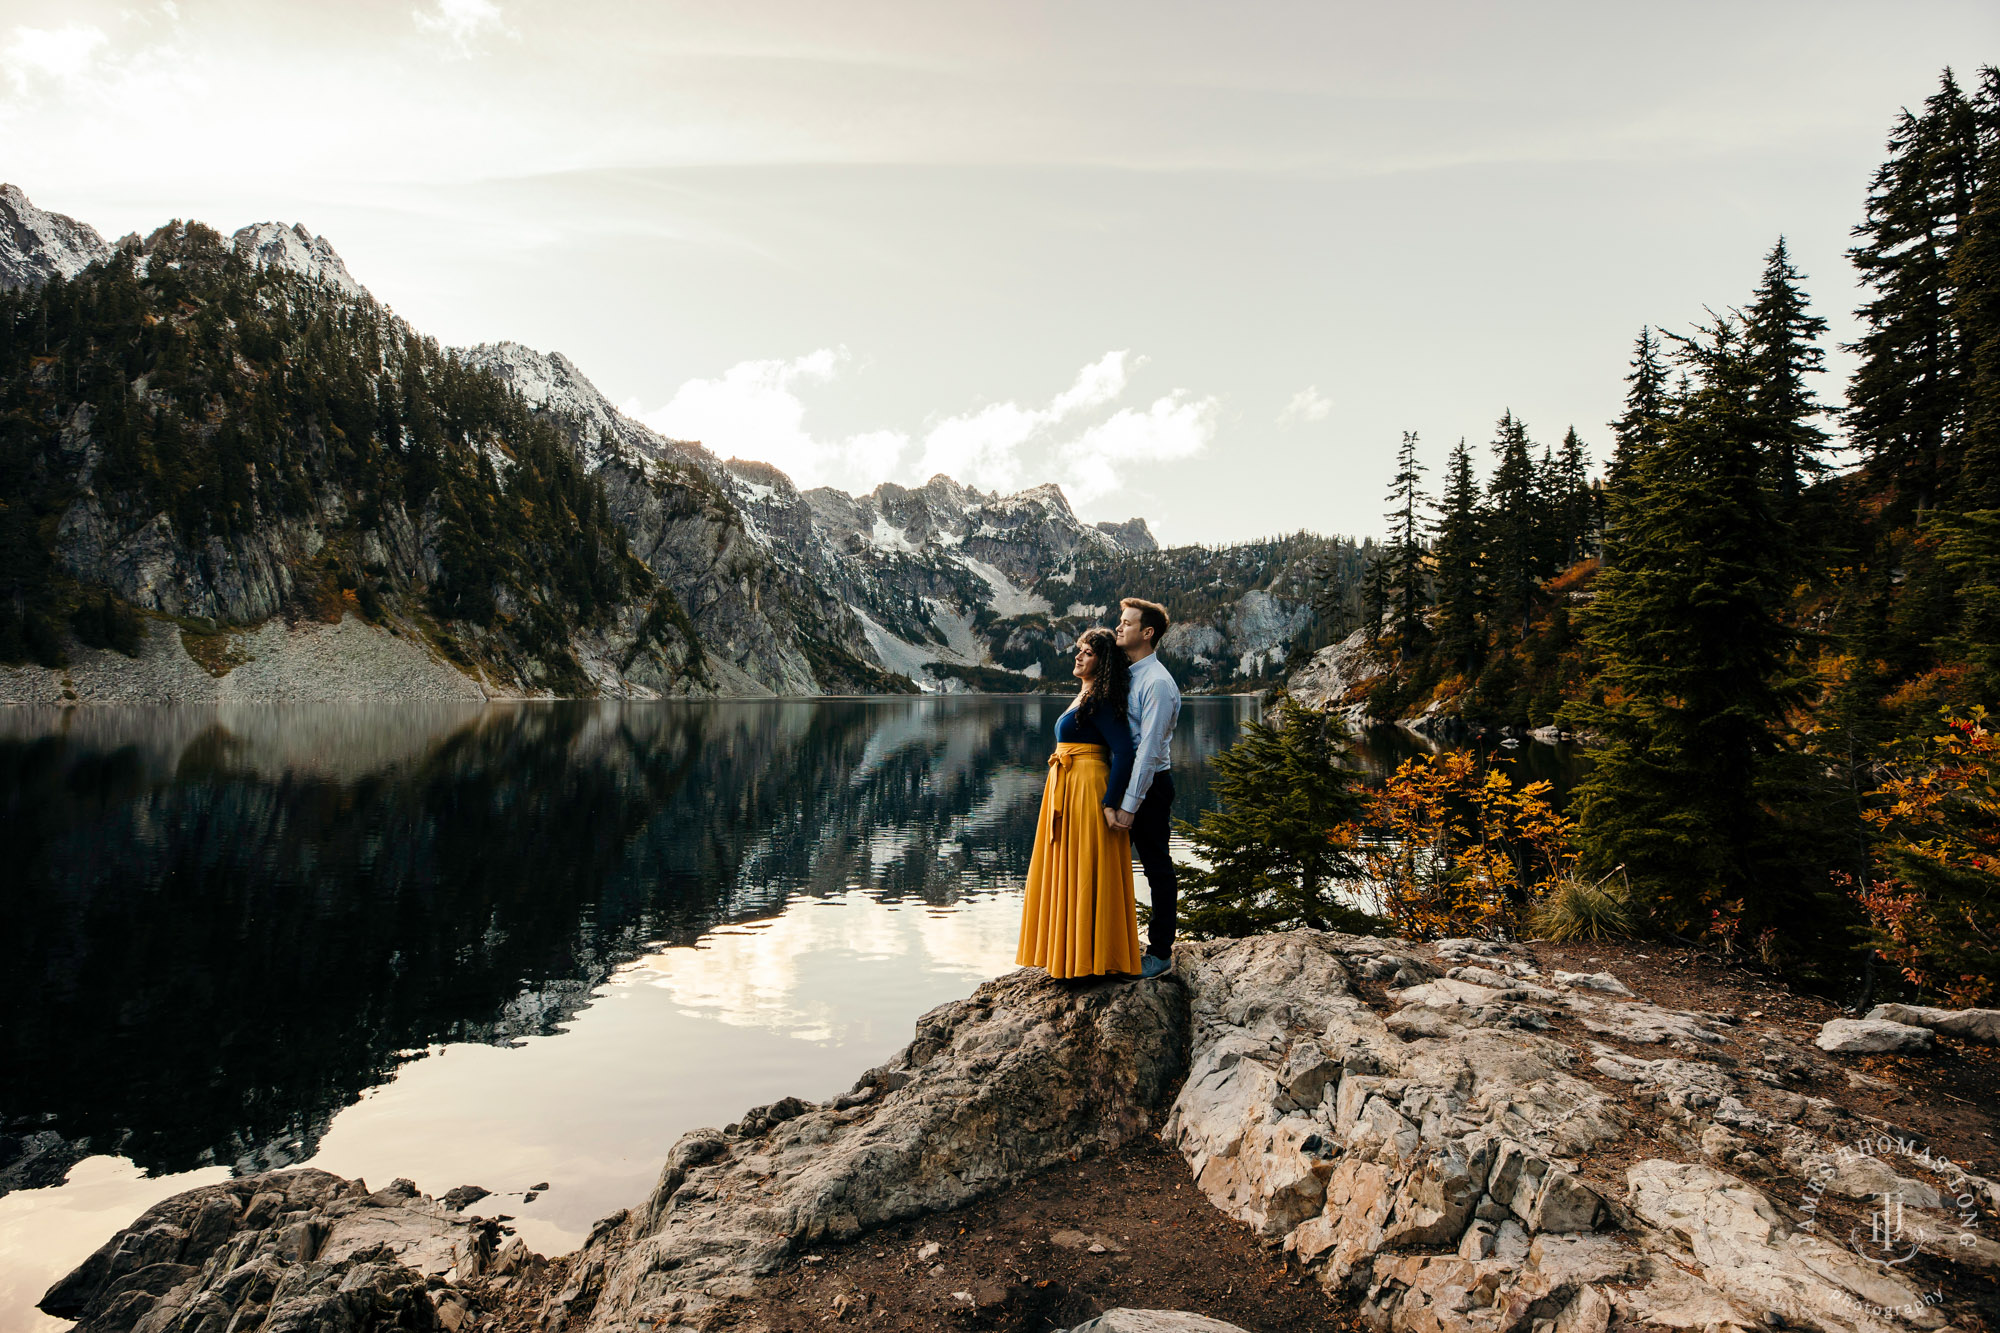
(1451, 847)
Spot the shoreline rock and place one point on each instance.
(280, 1251)
(1023, 1074)
(1445, 1138)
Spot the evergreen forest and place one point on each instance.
(1773, 619)
(206, 402)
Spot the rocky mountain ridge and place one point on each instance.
(782, 591)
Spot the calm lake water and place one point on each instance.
(497, 945)
(490, 945)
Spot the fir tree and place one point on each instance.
(1689, 627)
(1906, 398)
(1406, 585)
(1269, 863)
(1456, 556)
(1575, 513)
(1376, 593)
(1638, 429)
(1975, 277)
(1781, 336)
(1513, 533)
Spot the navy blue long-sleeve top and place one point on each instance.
(1079, 726)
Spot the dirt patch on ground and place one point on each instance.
(1125, 1229)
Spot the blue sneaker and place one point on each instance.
(1154, 966)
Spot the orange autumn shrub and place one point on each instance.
(1933, 899)
(1451, 847)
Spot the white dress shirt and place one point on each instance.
(1151, 708)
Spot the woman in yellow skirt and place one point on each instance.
(1079, 919)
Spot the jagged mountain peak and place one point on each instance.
(552, 382)
(274, 245)
(1048, 494)
(767, 475)
(36, 245)
(1132, 534)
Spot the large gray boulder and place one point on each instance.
(1025, 1073)
(1869, 1036)
(281, 1251)
(1434, 1157)
(1980, 1025)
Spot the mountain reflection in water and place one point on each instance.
(226, 925)
(485, 945)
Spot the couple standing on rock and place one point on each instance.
(1109, 794)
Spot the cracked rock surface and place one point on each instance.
(1023, 1074)
(279, 1252)
(1454, 1156)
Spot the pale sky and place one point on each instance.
(1201, 263)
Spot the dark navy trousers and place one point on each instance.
(1150, 825)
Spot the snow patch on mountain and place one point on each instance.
(1007, 600)
(894, 652)
(36, 245)
(274, 245)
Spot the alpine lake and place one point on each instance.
(519, 946)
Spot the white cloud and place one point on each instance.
(985, 448)
(1173, 428)
(61, 55)
(1308, 404)
(463, 21)
(756, 410)
(753, 410)
(1098, 383)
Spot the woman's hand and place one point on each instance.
(1110, 817)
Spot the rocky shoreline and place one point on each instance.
(1440, 1138)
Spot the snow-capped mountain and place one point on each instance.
(36, 245)
(551, 381)
(782, 591)
(273, 244)
(912, 569)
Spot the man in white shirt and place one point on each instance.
(1151, 708)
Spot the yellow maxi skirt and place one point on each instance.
(1079, 918)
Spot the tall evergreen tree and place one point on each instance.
(1406, 584)
(1576, 503)
(1456, 556)
(1975, 278)
(1638, 427)
(1689, 627)
(1781, 338)
(1377, 594)
(1906, 398)
(1512, 555)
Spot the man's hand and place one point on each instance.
(1120, 818)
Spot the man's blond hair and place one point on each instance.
(1152, 616)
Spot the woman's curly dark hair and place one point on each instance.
(1112, 680)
